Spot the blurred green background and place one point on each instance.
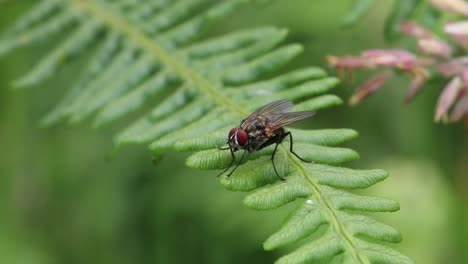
(63, 201)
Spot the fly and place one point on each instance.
(263, 128)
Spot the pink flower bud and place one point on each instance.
(390, 58)
(461, 109)
(415, 88)
(458, 31)
(457, 28)
(453, 6)
(453, 67)
(447, 98)
(462, 40)
(433, 46)
(370, 87)
(465, 77)
(349, 62)
(415, 30)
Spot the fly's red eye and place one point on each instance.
(232, 132)
(242, 137)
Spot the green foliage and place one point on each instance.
(401, 11)
(359, 10)
(147, 51)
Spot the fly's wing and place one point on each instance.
(285, 119)
(272, 109)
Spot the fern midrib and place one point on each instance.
(322, 198)
(115, 22)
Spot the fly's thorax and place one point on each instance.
(258, 123)
(255, 130)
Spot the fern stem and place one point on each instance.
(115, 22)
(333, 215)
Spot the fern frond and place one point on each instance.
(146, 51)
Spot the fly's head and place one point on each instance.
(237, 139)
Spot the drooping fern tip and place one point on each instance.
(155, 51)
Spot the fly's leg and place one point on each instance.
(237, 165)
(274, 140)
(291, 143)
(230, 163)
(273, 160)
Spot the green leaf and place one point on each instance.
(359, 10)
(152, 55)
(322, 250)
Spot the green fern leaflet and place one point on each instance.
(146, 51)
